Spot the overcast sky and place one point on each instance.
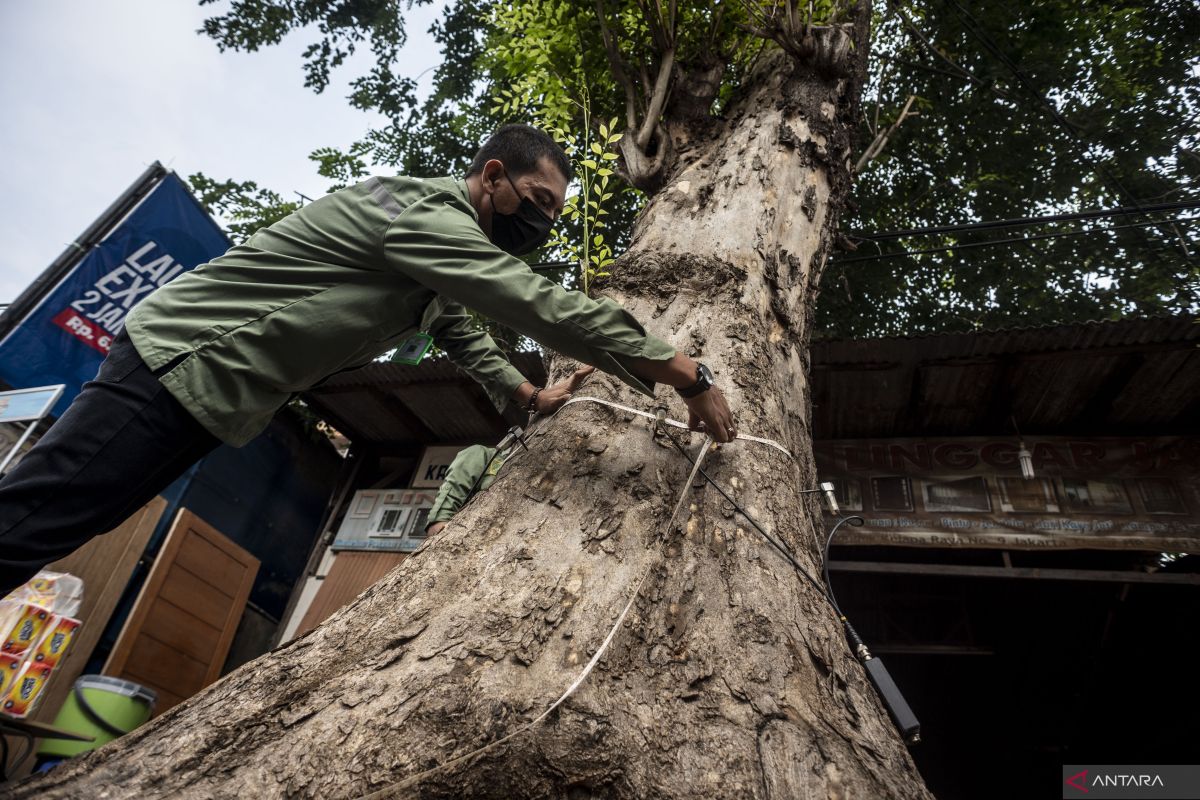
(93, 91)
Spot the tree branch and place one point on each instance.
(881, 138)
(662, 87)
(618, 68)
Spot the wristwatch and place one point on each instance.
(704, 382)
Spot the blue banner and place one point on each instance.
(64, 339)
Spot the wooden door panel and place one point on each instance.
(211, 562)
(201, 599)
(185, 617)
(187, 633)
(352, 574)
(163, 665)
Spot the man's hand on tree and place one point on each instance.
(709, 413)
(551, 398)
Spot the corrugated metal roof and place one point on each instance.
(400, 408)
(1130, 377)
(1081, 336)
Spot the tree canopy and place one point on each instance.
(974, 113)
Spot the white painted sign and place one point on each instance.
(434, 464)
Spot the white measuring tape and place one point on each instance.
(674, 423)
(388, 790)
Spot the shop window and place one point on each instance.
(1161, 496)
(390, 520)
(957, 494)
(1021, 496)
(416, 524)
(891, 494)
(1096, 496)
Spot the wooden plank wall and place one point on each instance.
(352, 574)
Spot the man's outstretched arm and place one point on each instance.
(446, 252)
(477, 353)
(707, 412)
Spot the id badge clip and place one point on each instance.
(413, 349)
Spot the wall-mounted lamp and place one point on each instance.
(1023, 455)
(1026, 459)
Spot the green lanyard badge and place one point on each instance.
(414, 349)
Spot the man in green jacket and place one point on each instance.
(385, 265)
(471, 472)
(474, 467)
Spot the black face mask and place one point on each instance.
(523, 231)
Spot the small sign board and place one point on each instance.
(434, 464)
(385, 519)
(25, 405)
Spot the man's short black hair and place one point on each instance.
(520, 147)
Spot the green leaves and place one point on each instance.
(592, 251)
(244, 207)
(986, 147)
(1124, 76)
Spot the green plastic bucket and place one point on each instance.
(101, 707)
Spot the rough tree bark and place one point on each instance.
(729, 678)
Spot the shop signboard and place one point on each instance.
(968, 492)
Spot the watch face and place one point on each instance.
(705, 374)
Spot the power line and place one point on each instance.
(1183, 205)
(1013, 240)
(552, 266)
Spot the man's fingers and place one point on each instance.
(580, 376)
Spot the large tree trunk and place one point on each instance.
(730, 676)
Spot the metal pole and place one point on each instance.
(17, 447)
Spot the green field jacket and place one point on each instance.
(465, 469)
(348, 278)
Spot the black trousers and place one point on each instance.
(122, 441)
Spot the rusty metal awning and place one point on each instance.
(1125, 378)
(397, 407)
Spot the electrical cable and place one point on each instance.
(1012, 240)
(392, 788)
(889, 694)
(783, 550)
(1020, 222)
(886, 689)
(825, 560)
(826, 589)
